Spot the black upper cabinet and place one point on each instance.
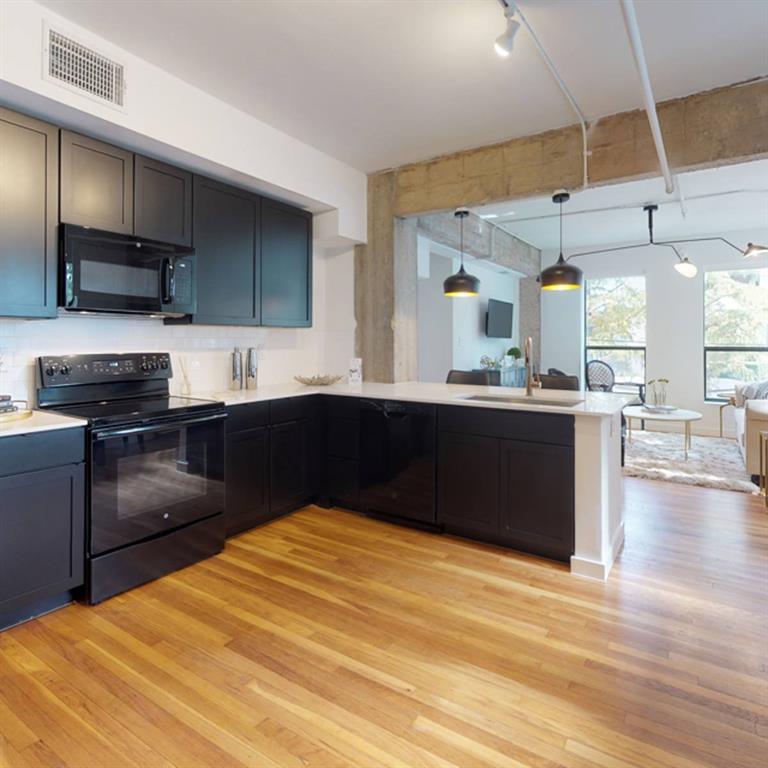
(226, 225)
(96, 184)
(29, 173)
(286, 265)
(162, 202)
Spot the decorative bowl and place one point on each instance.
(319, 380)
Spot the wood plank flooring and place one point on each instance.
(326, 639)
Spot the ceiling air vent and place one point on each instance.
(84, 70)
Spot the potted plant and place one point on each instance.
(515, 354)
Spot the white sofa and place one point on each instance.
(751, 417)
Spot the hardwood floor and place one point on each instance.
(327, 639)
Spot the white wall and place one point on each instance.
(469, 340)
(173, 120)
(675, 316)
(435, 319)
(204, 350)
(452, 331)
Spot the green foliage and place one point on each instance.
(615, 311)
(736, 315)
(515, 352)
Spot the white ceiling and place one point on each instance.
(714, 201)
(378, 83)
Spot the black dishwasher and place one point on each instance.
(397, 459)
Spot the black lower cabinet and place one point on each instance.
(343, 486)
(289, 465)
(42, 531)
(517, 493)
(537, 498)
(275, 459)
(468, 483)
(247, 479)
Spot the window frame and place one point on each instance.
(616, 347)
(719, 347)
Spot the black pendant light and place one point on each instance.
(561, 276)
(462, 283)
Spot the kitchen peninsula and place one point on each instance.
(539, 474)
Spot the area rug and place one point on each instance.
(713, 462)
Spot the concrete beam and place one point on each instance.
(483, 241)
(719, 127)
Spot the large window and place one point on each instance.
(735, 329)
(616, 325)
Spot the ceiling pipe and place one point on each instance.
(508, 4)
(633, 31)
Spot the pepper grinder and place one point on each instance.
(236, 369)
(251, 368)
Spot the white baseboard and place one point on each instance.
(589, 569)
(595, 569)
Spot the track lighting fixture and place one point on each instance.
(505, 41)
(462, 283)
(563, 276)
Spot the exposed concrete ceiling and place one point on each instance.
(714, 201)
(379, 83)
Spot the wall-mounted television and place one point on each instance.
(498, 319)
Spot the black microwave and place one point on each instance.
(107, 272)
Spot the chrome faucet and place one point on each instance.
(529, 367)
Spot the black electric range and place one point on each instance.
(155, 464)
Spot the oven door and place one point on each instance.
(150, 479)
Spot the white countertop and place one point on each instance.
(39, 421)
(595, 404)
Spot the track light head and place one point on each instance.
(753, 249)
(505, 41)
(686, 268)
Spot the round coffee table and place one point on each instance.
(641, 412)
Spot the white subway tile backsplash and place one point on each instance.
(203, 350)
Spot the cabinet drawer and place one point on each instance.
(40, 450)
(548, 428)
(293, 409)
(247, 416)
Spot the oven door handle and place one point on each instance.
(167, 426)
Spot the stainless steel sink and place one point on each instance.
(521, 400)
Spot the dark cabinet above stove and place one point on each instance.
(29, 171)
(96, 184)
(162, 202)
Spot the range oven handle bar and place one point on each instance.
(166, 426)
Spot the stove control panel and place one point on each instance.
(98, 369)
